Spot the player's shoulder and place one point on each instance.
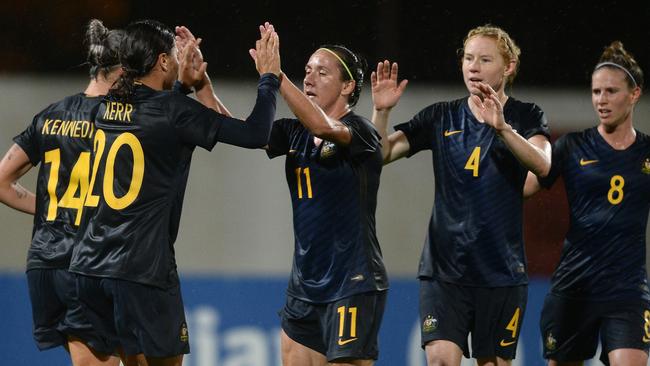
(73, 102)
(521, 107)
(643, 138)
(361, 121)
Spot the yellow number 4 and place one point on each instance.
(473, 161)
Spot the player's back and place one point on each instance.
(60, 139)
(141, 161)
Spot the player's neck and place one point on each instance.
(619, 137)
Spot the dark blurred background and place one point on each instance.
(560, 41)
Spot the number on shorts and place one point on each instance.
(514, 324)
(353, 321)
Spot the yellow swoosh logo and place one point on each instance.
(506, 344)
(343, 343)
(646, 339)
(584, 162)
(449, 133)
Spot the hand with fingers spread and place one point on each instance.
(191, 68)
(267, 51)
(386, 92)
(490, 108)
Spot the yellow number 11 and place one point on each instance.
(307, 179)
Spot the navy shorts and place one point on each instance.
(57, 313)
(492, 315)
(141, 319)
(571, 327)
(343, 330)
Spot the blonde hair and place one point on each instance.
(506, 45)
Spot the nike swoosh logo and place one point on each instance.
(449, 133)
(506, 344)
(646, 339)
(584, 162)
(344, 342)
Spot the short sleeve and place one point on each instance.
(558, 159)
(280, 133)
(365, 139)
(535, 123)
(195, 124)
(419, 130)
(28, 141)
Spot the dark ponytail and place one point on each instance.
(616, 54)
(102, 47)
(357, 66)
(143, 42)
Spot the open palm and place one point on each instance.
(386, 92)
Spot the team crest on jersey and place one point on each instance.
(551, 343)
(429, 324)
(185, 335)
(328, 149)
(645, 167)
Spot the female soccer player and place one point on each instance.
(599, 288)
(60, 139)
(337, 290)
(128, 282)
(473, 269)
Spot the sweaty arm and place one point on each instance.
(254, 132)
(312, 116)
(13, 166)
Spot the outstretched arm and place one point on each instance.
(534, 153)
(193, 63)
(13, 166)
(386, 92)
(308, 113)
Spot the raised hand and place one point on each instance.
(490, 108)
(267, 51)
(191, 68)
(386, 92)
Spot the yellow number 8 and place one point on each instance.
(616, 189)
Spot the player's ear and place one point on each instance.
(163, 61)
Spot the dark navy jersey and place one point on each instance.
(60, 139)
(475, 234)
(334, 197)
(141, 161)
(604, 252)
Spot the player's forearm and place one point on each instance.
(205, 94)
(531, 186)
(533, 158)
(17, 197)
(311, 116)
(380, 120)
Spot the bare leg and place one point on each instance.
(295, 354)
(628, 357)
(82, 355)
(443, 353)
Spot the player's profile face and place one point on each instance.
(611, 96)
(482, 62)
(322, 83)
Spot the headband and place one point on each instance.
(340, 60)
(617, 66)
